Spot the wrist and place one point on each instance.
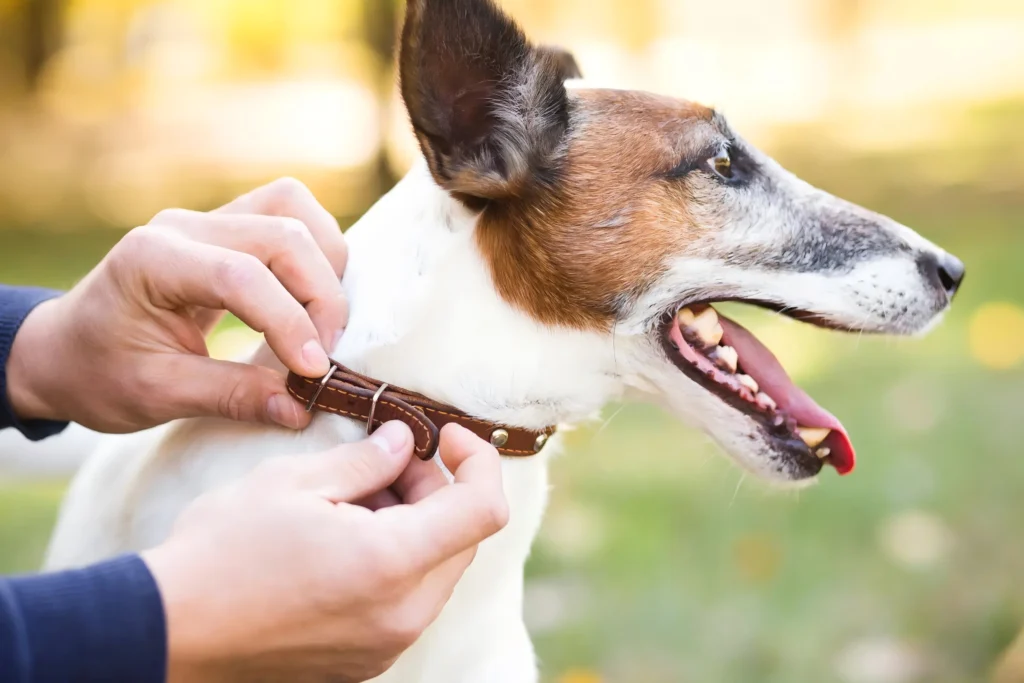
(185, 660)
(28, 370)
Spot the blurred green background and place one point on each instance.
(658, 561)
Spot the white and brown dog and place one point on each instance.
(557, 250)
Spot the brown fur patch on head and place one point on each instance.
(578, 252)
(579, 209)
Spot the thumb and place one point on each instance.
(203, 387)
(354, 471)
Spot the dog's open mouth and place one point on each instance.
(727, 360)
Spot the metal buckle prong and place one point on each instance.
(319, 389)
(373, 408)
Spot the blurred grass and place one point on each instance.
(659, 563)
(691, 573)
(27, 513)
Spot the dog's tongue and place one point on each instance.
(761, 364)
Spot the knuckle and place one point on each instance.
(404, 626)
(169, 217)
(138, 239)
(287, 192)
(143, 387)
(288, 186)
(239, 402)
(391, 566)
(495, 514)
(294, 231)
(232, 404)
(236, 271)
(337, 252)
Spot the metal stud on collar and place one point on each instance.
(539, 443)
(499, 437)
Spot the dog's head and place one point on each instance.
(628, 214)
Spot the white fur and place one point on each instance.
(425, 315)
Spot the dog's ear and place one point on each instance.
(568, 67)
(489, 109)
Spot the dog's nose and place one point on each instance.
(944, 270)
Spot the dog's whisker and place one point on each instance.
(736, 491)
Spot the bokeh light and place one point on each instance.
(659, 562)
(997, 335)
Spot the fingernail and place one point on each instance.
(393, 437)
(283, 410)
(315, 357)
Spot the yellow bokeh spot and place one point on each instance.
(232, 343)
(800, 348)
(803, 350)
(996, 335)
(579, 676)
(757, 557)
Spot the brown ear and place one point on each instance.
(489, 109)
(566, 61)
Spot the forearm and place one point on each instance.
(102, 623)
(19, 405)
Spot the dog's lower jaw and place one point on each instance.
(424, 316)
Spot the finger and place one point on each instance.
(432, 591)
(356, 471)
(289, 197)
(457, 517)
(285, 246)
(438, 584)
(207, 319)
(185, 273)
(197, 386)
(380, 500)
(420, 479)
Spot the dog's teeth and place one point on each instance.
(823, 453)
(725, 357)
(748, 382)
(766, 401)
(813, 436)
(707, 327)
(685, 317)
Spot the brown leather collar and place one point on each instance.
(348, 393)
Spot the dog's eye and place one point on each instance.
(721, 164)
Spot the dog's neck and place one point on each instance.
(425, 316)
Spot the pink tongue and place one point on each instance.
(759, 363)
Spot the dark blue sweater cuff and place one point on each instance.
(15, 305)
(102, 623)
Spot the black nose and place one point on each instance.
(944, 270)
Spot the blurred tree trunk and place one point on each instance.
(381, 36)
(41, 38)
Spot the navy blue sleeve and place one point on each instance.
(15, 305)
(102, 623)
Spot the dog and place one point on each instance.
(555, 249)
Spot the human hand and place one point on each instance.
(125, 349)
(280, 577)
